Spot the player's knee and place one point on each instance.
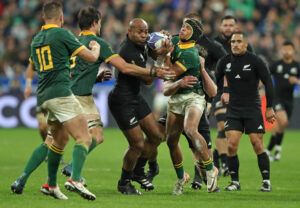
(258, 147)
(221, 134)
(191, 132)
(138, 147)
(232, 148)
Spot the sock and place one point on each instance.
(223, 158)
(92, 146)
(139, 166)
(208, 164)
(179, 170)
(54, 156)
(125, 176)
(264, 165)
(197, 170)
(233, 165)
(272, 142)
(279, 138)
(216, 158)
(79, 156)
(37, 157)
(153, 165)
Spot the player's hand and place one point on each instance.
(27, 91)
(167, 33)
(94, 45)
(225, 98)
(188, 82)
(270, 115)
(164, 74)
(166, 47)
(293, 80)
(104, 75)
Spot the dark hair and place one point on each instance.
(193, 15)
(227, 17)
(238, 32)
(288, 43)
(87, 16)
(52, 9)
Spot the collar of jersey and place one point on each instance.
(48, 26)
(87, 32)
(187, 45)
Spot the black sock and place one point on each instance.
(196, 170)
(140, 166)
(125, 176)
(153, 165)
(216, 158)
(223, 158)
(264, 165)
(279, 138)
(233, 165)
(272, 142)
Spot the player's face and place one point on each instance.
(238, 44)
(185, 32)
(227, 27)
(287, 52)
(139, 34)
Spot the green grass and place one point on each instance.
(103, 167)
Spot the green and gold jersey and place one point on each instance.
(186, 56)
(84, 74)
(51, 50)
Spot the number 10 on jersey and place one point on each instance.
(45, 58)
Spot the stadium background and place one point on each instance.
(267, 22)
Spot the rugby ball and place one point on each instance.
(155, 40)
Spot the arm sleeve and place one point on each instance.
(219, 71)
(265, 77)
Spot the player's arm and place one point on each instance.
(265, 77)
(171, 87)
(29, 73)
(134, 70)
(208, 84)
(178, 68)
(90, 55)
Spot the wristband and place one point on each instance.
(28, 82)
(225, 90)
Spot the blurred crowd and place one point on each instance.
(267, 22)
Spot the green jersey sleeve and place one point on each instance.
(106, 52)
(187, 60)
(71, 42)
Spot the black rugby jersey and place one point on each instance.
(281, 72)
(243, 74)
(134, 54)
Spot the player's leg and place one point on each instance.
(278, 131)
(191, 121)
(37, 157)
(254, 127)
(174, 128)
(234, 129)
(221, 142)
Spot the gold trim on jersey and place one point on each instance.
(87, 32)
(48, 26)
(187, 45)
(181, 65)
(78, 50)
(30, 60)
(110, 58)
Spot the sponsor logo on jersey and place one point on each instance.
(286, 76)
(279, 69)
(238, 76)
(294, 71)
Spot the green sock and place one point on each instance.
(54, 156)
(37, 157)
(79, 156)
(208, 164)
(179, 170)
(92, 146)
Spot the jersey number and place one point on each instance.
(44, 58)
(73, 62)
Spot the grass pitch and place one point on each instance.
(103, 167)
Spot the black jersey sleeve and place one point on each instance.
(265, 77)
(220, 70)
